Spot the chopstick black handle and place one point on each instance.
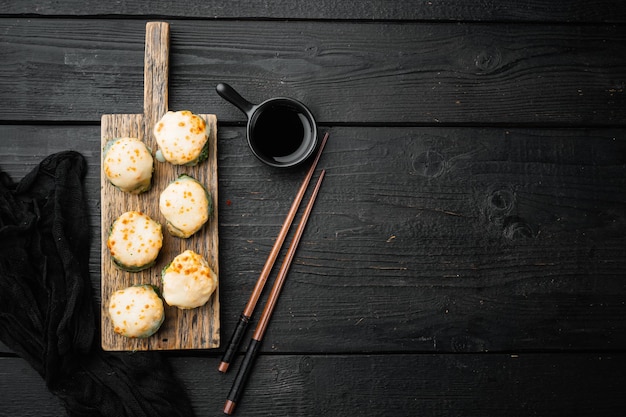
(242, 376)
(233, 344)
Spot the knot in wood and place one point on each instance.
(430, 164)
(488, 61)
(306, 365)
(498, 204)
(501, 200)
(516, 228)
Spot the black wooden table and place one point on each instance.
(467, 253)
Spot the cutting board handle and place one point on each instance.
(156, 71)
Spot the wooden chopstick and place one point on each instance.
(255, 342)
(244, 318)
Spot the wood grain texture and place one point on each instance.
(423, 239)
(467, 253)
(452, 240)
(198, 328)
(582, 384)
(455, 10)
(373, 73)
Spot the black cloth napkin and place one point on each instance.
(47, 311)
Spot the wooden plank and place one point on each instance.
(456, 10)
(581, 384)
(423, 239)
(476, 74)
(197, 328)
(456, 240)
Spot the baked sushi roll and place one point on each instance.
(188, 281)
(136, 311)
(128, 165)
(186, 205)
(135, 241)
(183, 138)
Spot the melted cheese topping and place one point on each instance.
(181, 136)
(135, 240)
(185, 206)
(136, 311)
(189, 281)
(128, 165)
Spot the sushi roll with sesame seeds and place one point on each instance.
(135, 241)
(128, 165)
(186, 205)
(136, 311)
(188, 281)
(183, 138)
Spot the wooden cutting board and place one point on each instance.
(183, 329)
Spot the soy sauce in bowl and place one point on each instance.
(282, 134)
(281, 131)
